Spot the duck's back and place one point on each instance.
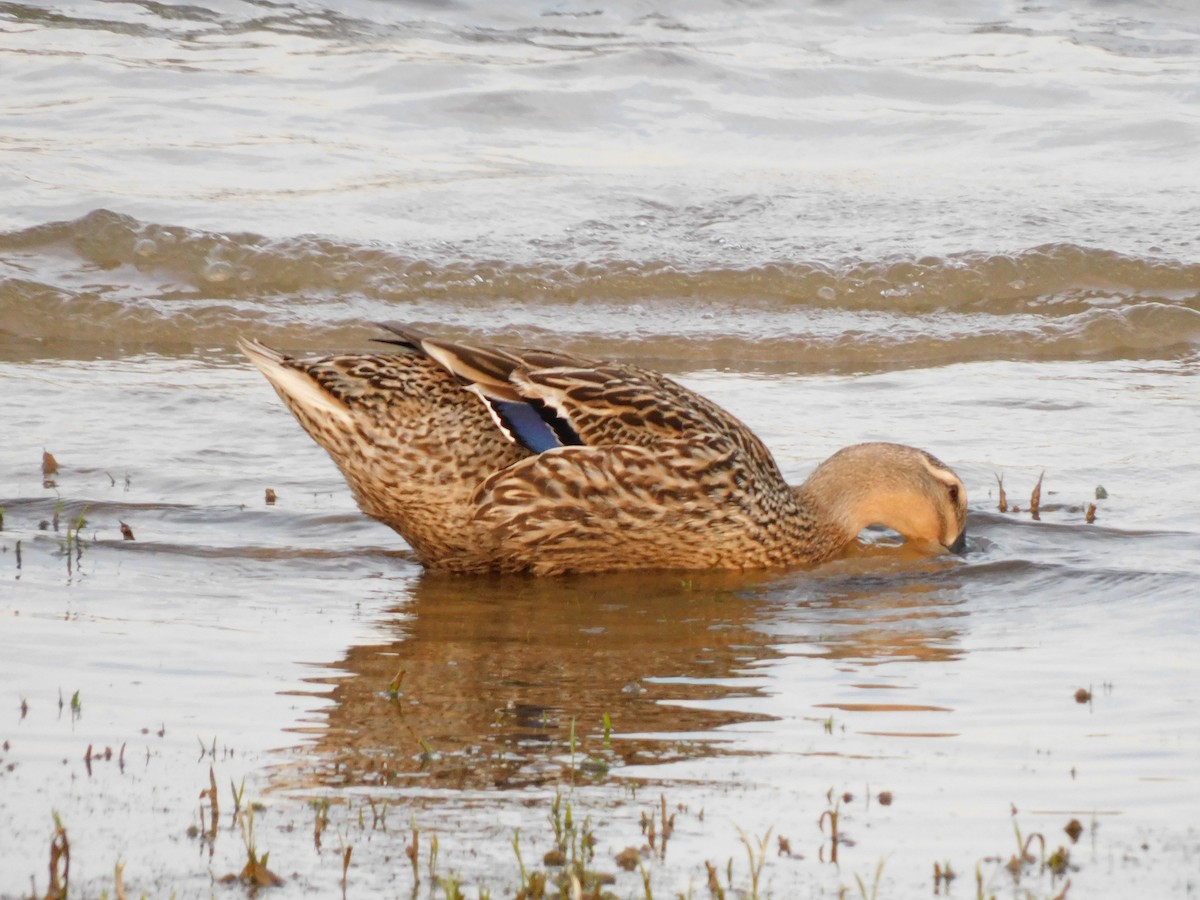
(486, 458)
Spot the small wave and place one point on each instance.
(109, 278)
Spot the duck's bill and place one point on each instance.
(959, 546)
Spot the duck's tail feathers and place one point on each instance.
(297, 389)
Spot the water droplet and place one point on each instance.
(145, 247)
(827, 294)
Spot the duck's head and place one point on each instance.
(899, 487)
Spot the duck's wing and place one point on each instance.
(542, 399)
(681, 504)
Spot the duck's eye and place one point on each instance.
(954, 493)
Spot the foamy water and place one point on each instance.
(969, 227)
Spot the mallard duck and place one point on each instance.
(486, 459)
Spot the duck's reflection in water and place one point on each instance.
(506, 682)
(868, 621)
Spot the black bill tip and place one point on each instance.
(959, 546)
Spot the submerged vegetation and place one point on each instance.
(586, 829)
(581, 860)
(619, 839)
(1035, 506)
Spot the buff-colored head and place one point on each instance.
(899, 487)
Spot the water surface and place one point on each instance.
(971, 228)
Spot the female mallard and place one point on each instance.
(493, 459)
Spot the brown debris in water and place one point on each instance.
(1058, 862)
(210, 793)
(832, 814)
(1035, 499)
(49, 468)
(413, 852)
(270, 496)
(942, 876)
(668, 826)
(885, 798)
(60, 862)
(345, 866)
(714, 883)
(629, 858)
(126, 532)
(255, 873)
(393, 688)
(1090, 518)
(535, 889)
(1083, 695)
(1073, 830)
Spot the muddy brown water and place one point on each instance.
(970, 230)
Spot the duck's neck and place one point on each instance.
(830, 530)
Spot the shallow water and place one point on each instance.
(971, 230)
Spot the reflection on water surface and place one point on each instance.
(495, 675)
(488, 681)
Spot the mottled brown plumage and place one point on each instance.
(492, 459)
